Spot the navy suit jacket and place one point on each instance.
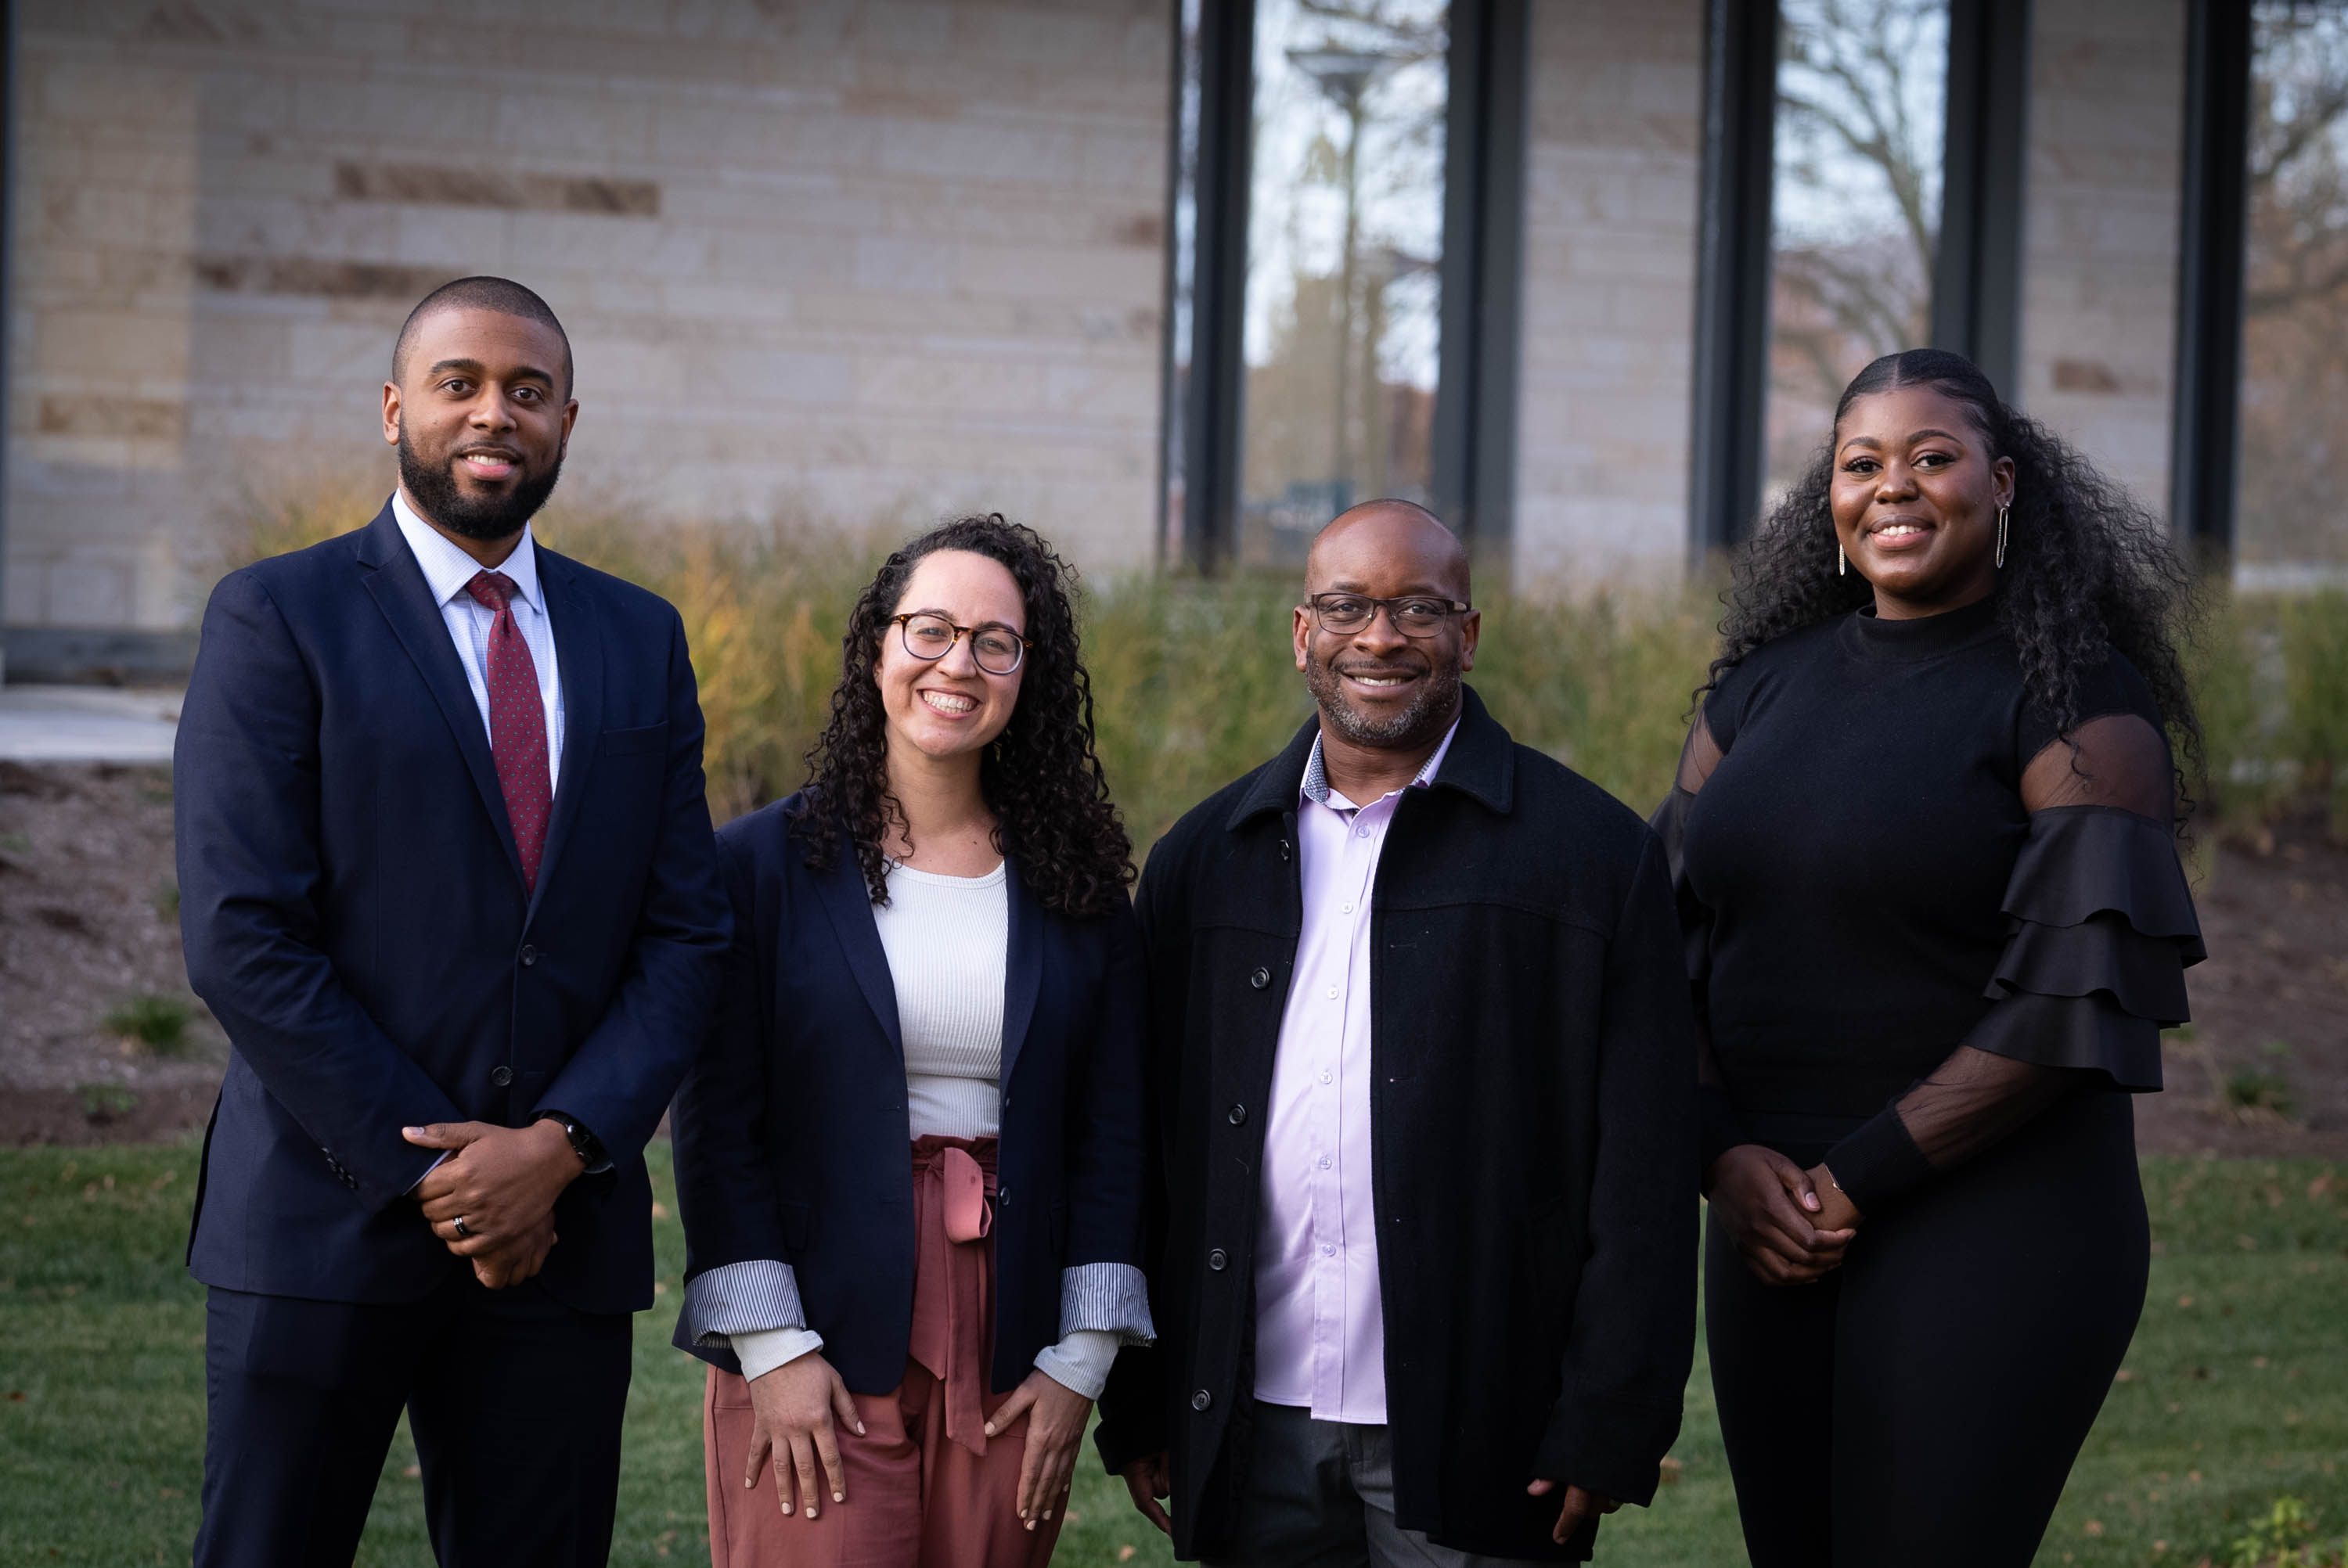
(793, 1142)
(354, 916)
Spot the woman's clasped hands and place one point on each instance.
(1791, 1226)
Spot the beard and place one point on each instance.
(488, 517)
(1423, 721)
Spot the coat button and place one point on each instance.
(1202, 1399)
(502, 1076)
(1237, 1115)
(1261, 979)
(1218, 1260)
(1284, 850)
(528, 955)
(1002, 1196)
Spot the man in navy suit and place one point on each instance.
(447, 880)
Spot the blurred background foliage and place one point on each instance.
(1193, 682)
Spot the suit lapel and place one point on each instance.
(1022, 968)
(579, 653)
(397, 584)
(850, 908)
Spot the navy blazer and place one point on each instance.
(793, 1142)
(354, 916)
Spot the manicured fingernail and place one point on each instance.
(990, 1428)
(839, 1497)
(860, 1428)
(1047, 1513)
(810, 1510)
(1811, 1202)
(786, 1507)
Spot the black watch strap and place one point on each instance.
(583, 1142)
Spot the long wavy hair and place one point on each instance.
(1041, 777)
(2087, 569)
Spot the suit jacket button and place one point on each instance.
(528, 955)
(1202, 1399)
(1237, 1115)
(502, 1076)
(1218, 1260)
(1261, 979)
(1002, 1196)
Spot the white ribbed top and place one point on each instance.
(949, 941)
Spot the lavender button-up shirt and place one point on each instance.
(1320, 1332)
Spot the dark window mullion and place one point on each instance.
(1732, 328)
(1474, 438)
(2210, 273)
(1977, 269)
(1211, 415)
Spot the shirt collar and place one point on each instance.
(447, 568)
(1315, 784)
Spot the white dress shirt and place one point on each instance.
(1320, 1316)
(447, 571)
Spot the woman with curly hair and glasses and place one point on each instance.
(910, 1155)
(1924, 837)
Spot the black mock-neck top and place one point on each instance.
(1864, 890)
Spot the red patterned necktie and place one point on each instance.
(517, 724)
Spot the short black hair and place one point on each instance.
(502, 295)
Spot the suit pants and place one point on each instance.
(1320, 1494)
(514, 1400)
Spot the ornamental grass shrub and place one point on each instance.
(1193, 682)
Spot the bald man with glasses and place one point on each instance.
(1423, 1087)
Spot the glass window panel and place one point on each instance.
(2290, 528)
(1854, 203)
(1344, 257)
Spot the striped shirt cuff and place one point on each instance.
(741, 1298)
(761, 1351)
(1112, 1298)
(1079, 1363)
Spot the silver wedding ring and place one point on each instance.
(461, 1231)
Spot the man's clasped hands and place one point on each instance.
(492, 1200)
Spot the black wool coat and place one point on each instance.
(1533, 1121)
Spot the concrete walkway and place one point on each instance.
(88, 724)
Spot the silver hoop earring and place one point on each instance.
(1842, 562)
(2001, 538)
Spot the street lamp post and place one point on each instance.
(1346, 75)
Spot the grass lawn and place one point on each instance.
(2235, 1394)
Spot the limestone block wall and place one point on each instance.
(2100, 236)
(1612, 166)
(855, 262)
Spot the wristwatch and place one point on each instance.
(583, 1142)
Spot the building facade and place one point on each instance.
(1172, 280)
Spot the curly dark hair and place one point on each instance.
(1041, 776)
(2087, 569)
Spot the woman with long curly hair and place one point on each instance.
(1924, 835)
(934, 947)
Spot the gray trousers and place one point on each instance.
(1320, 1494)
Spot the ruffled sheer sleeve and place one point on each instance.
(1720, 1128)
(2101, 928)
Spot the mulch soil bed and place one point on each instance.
(88, 921)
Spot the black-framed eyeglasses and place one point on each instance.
(997, 649)
(1413, 615)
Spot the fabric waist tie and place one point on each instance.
(953, 1275)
